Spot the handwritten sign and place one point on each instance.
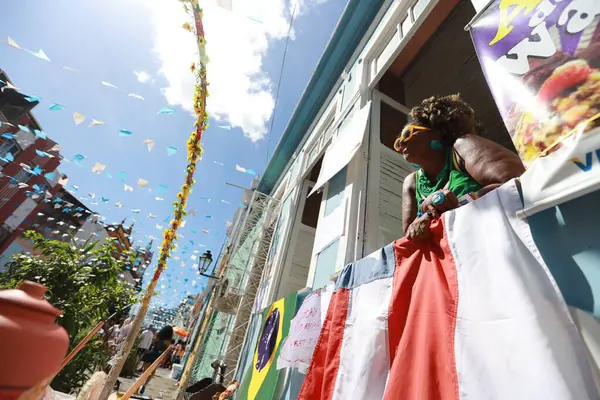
(304, 333)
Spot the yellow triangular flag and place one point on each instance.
(142, 182)
(12, 43)
(98, 167)
(149, 143)
(78, 118)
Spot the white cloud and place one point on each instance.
(241, 94)
(142, 76)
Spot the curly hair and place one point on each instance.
(166, 333)
(449, 115)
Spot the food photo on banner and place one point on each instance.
(541, 60)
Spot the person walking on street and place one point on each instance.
(162, 342)
(145, 340)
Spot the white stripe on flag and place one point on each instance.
(514, 336)
(364, 359)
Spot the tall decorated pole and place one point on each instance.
(195, 150)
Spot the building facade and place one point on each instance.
(28, 163)
(334, 174)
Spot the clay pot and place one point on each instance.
(32, 346)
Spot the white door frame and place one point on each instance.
(372, 171)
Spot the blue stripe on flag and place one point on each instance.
(378, 265)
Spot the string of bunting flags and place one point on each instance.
(193, 146)
(79, 118)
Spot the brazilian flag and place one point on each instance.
(260, 380)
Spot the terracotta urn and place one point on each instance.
(32, 346)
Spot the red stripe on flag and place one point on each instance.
(322, 373)
(422, 321)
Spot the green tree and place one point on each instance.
(83, 281)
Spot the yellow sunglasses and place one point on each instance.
(407, 133)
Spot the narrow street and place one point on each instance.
(161, 386)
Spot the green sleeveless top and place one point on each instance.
(451, 177)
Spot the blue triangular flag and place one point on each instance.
(37, 170)
(166, 110)
(78, 158)
(49, 175)
(56, 107)
(124, 132)
(31, 99)
(161, 189)
(8, 136)
(171, 150)
(40, 134)
(24, 128)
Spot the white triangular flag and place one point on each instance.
(9, 86)
(226, 4)
(95, 122)
(108, 84)
(241, 169)
(136, 96)
(78, 118)
(149, 143)
(141, 183)
(63, 181)
(67, 68)
(127, 187)
(12, 43)
(39, 54)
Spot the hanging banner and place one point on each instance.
(305, 328)
(541, 60)
(260, 381)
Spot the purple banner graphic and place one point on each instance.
(541, 59)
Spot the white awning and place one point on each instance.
(342, 150)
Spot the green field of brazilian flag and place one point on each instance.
(261, 380)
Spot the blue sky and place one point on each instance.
(108, 41)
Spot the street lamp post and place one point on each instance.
(204, 263)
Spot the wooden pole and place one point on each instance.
(142, 379)
(185, 376)
(123, 353)
(81, 344)
(194, 148)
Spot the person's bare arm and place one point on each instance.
(487, 162)
(409, 201)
